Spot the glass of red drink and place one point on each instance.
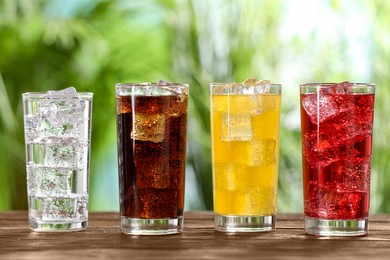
(151, 125)
(337, 125)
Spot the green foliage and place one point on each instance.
(52, 44)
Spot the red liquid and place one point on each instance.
(337, 138)
(152, 158)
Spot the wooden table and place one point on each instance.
(103, 240)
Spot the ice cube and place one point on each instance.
(60, 153)
(260, 86)
(322, 152)
(236, 127)
(250, 82)
(262, 152)
(63, 109)
(262, 103)
(57, 152)
(320, 107)
(59, 208)
(247, 200)
(262, 200)
(238, 175)
(72, 207)
(249, 86)
(323, 202)
(48, 181)
(164, 83)
(66, 112)
(169, 88)
(64, 93)
(148, 127)
(226, 176)
(329, 101)
(235, 88)
(62, 126)
(344, 88)
(336, 139)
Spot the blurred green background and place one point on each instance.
(93, 44)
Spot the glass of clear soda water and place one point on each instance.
(57, 127)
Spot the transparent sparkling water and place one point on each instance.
(57, 136)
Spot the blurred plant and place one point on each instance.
(379, 67)
(91, 45)
(51, 44)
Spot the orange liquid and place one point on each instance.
(245, 144)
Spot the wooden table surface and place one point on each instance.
(103, 240)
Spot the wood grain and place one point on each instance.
(103, 240)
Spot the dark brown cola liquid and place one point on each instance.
(151, 155)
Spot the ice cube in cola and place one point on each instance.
(151, 151)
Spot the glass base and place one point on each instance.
(39, 226)
(342, 228)
(244, 223)
(161, 226)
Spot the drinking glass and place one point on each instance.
(57, 127)
(337, 125)
(151, 125)
(245, 121)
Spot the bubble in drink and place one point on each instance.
(326, 145)
(328, 203)
(64, 208)
(153, 174)
(48, 181)
(245, 129)
(262, 152)
(236, 127)
(351, 176)
(61, 114)
(261, 104)
(57, 152)
(336, 138)
(151, 147)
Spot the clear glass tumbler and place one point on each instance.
(57, 129)
(337, 125)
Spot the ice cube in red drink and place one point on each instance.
(336, 138)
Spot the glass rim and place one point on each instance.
(219, 84)
(151, 84)
(329, 84)
(45, 95)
